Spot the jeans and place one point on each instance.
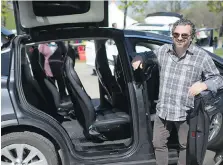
(162, 129)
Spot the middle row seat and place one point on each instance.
(47, 86)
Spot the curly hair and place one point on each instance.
(185, 22)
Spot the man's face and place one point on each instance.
(182, 36)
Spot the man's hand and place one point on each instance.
(137, 62)
(197, 88)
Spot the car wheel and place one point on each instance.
(215, 139)
(26, 148)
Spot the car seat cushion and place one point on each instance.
(110, 119)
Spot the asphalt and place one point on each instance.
(90, 83)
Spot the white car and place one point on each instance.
(155, 23)
(204, 38)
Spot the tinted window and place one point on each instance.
(5, 58)
(57, 8)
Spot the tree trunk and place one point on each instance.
(220, 35)
(221, 28)
(4, 21)
(125, 14)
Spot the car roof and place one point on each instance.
(155, 36)
(205, 29)
(170, 14)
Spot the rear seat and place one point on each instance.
(47, 87)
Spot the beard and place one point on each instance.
(181, 44)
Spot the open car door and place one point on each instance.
(48, 15)
(199, 121)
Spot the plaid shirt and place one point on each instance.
(177, 75)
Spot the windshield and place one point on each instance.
(167, 33)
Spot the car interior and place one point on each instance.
(93, 124)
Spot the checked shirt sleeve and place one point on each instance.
(213, 79)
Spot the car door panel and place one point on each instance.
(198, 121)
(47, 14)
(214, 103)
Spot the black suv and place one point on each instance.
(40, 127)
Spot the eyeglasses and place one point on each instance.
(183, 35)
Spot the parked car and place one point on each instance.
(6, 37)
(37, 128)
(154, 23)
(205, 38)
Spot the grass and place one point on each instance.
(216, 33)
(10, 22)
(219, 52)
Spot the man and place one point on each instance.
(185, 71)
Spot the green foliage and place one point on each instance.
(5, 9)
(219, 52)
(10, 21)
(136, 5)
(215, 6)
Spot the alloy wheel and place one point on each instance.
(22, 154)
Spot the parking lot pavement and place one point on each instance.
(209, 158)
(89, 81)
(90, 84)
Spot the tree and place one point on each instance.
(137, 6)
(198, 12)
(169, 6)
(5, 12)
(217, 7)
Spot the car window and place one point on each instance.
(162, 32)
(140, 49)
(5, 61)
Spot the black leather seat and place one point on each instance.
(31, 88)
(98, 123)
(49, 90)
(104, 73)
(64, 106)
(116, 96)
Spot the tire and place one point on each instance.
(28, 143)
(216, 143)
